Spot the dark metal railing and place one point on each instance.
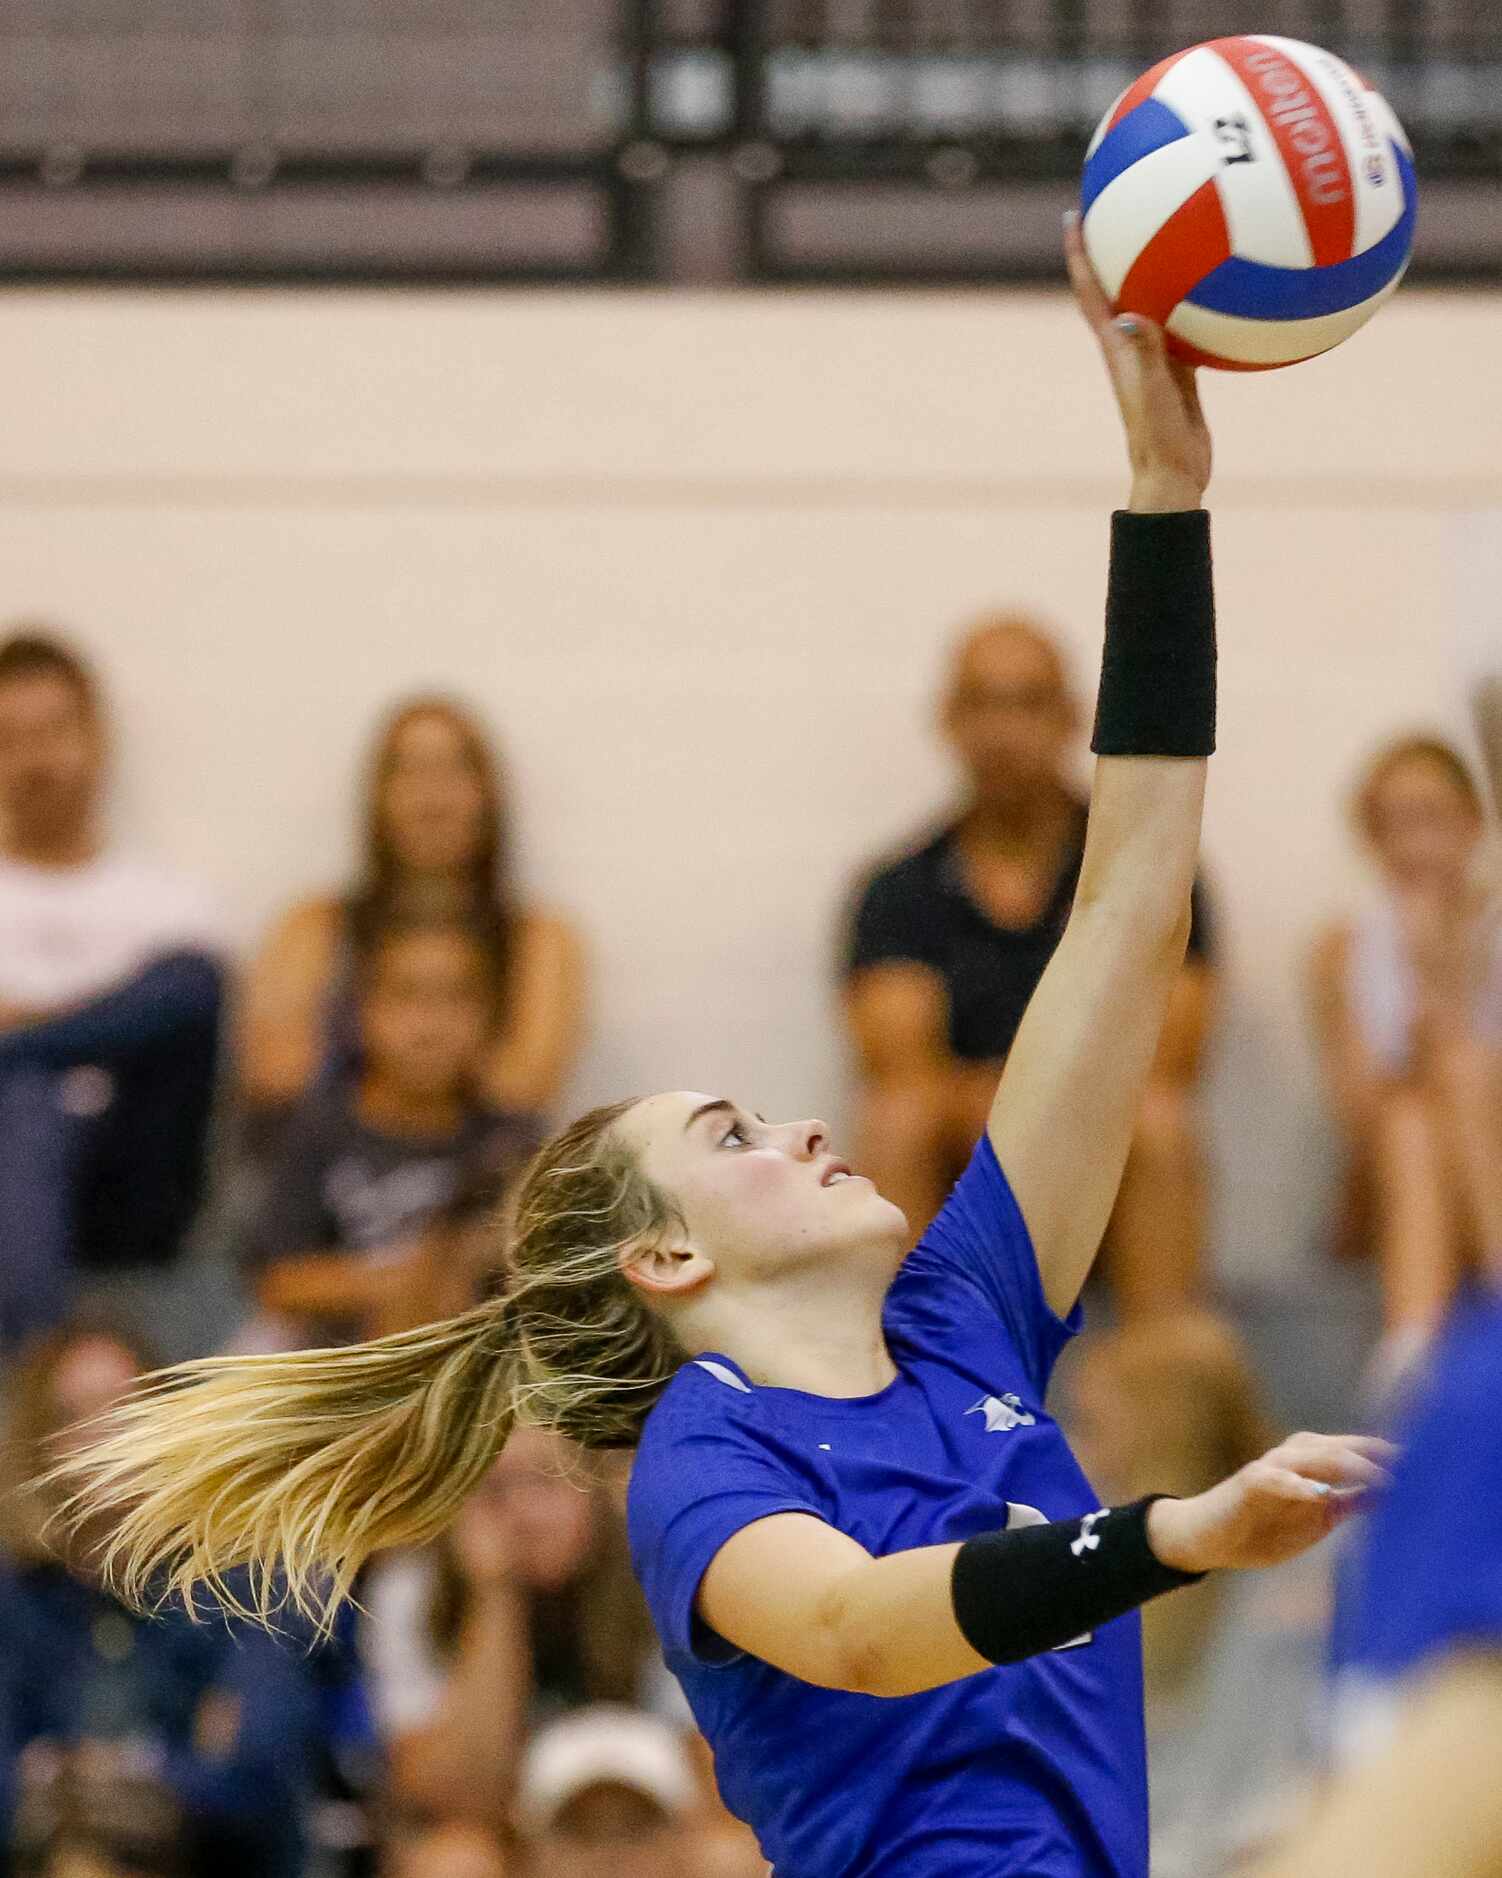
(503, 140)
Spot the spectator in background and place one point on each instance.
(448, 1852)
(146, 1744)
(1233, 1669)
(608, 1793)
(110, 988)
(344, 1243)
(524, 1609)
(438, 843)
(1396, 991)
(947, 946)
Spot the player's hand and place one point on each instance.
(1274, 1508)
(1168, 441)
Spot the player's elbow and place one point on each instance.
(859, 1655)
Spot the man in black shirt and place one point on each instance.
(947, 944)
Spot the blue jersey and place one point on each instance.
(1426, 1580)
(1033, 1770)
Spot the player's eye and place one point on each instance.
(737, 1132)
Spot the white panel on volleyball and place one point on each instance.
(1133, 206)
(1365, 123)
(1269, 342)
(1262, 209)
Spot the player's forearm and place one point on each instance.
(1141, 850)
(916, 1620)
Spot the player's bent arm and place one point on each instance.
(809, 1600)
(1430, 1805)
(1067, 1102)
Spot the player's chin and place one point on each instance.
(885, 1216)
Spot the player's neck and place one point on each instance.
(830, 1346)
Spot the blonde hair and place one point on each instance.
(298, 1467)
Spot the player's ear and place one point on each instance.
(664, 1268)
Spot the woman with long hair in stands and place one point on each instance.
(437, 843)
(902, 1619)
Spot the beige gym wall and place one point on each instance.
(698, 559)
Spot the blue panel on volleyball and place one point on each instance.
(1252, 290)
(1145, 128)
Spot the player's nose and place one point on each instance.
(810, 1138)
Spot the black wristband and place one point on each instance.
(1035, 1588)
(1157, 677)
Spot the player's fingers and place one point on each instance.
(1282, 1483)
(1372, 1446)
(1340, 1467)
(1299, 1449)
(1186, 377)
(1087, 289)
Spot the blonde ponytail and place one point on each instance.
(294, 1466)
(298, 1467)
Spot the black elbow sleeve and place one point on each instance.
(1034, 1588)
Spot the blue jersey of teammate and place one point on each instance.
(1036, 1768)
(1427, 1578)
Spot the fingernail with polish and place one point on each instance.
(1126, 324)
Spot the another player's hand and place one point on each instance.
(1168, 440)
(1274, 1508)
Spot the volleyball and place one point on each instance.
(1255, 196)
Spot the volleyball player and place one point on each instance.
(903, 1620)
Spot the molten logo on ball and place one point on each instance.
(1242, 194)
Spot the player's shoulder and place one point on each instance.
(706, 1394)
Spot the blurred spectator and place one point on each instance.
(438, 843)
(137, 1742)
(1396, 992)
(948, 944)
(348, 1240)
(525, 1608)
(110, 990)
(448, 1852)
(608, 1793)
(1233, 1668)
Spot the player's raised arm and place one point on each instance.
(1064, 1111)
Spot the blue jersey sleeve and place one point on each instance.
(979, 1246)
(691, 1490)
(1431, 1571)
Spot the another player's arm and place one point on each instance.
(1430, 1805)
(796, 1593)
(1065, 1108)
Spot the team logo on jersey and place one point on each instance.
(1002, 1415)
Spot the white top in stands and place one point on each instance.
(1384, 995)
(70, 933)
